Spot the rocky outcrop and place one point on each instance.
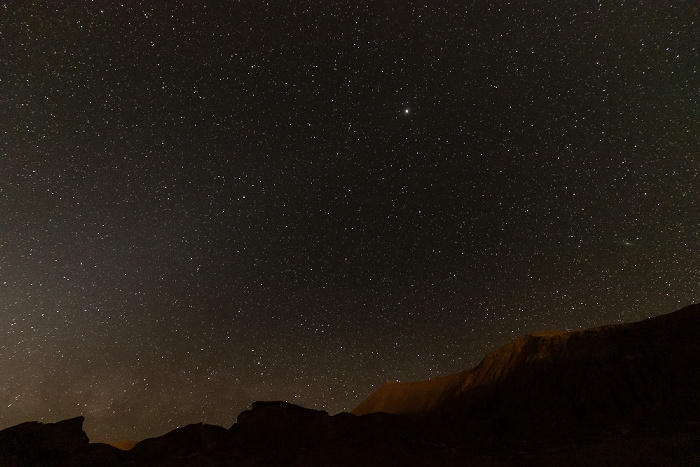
(276, 420)
(181, 443)
(613, 395)
(608, 374)
(57, 444)
(279, 433)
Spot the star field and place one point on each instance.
(205, 204)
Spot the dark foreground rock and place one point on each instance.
(57, 444)
(182, 443)
(616, 395)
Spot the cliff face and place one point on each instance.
(621, 371)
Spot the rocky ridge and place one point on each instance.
(610, 373)
(622, 394)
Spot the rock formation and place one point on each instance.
(185, 442)
(614, 395)
(58, 444)
(612, 374)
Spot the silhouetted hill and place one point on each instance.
(620, 373)
(124, 444)
(57, 444)
(614, 395)
(185, 442)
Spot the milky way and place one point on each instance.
(204, 204)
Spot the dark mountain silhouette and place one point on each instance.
(621, 374)
(614, 395)
(56, 444)
(181, 443)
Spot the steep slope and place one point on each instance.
(412, 397)
(647, 368)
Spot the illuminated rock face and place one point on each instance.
(620, 372)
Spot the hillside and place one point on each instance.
(613, 395)
(624, 371)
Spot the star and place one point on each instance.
(264, 171)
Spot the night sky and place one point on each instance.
(205, 204)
